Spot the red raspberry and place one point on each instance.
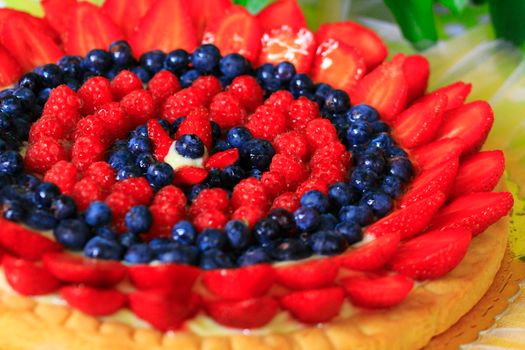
(95, 93)
(164, 217)
(328, 171)
(216, 198)
(64, 175)
(211, 218)
(124, 83)
(274, 184)
(320, 132)
(227, 111)
(267, 122)
(209, 85)
(63, 104)
(249, 214)
(102, 173)
(163, 85)
(288, 201)
(119, 203)
(302, 111)
(249, 192)
(291, 169)
(86, 191)
(246, 89)
(116, 122)
(43, 154)
(196, 124)
(139, 106)
(47, 127)
(334, 151)
(171, 195)
(293, 144)
(280, 100)
(92, 125)
(86, 151)
(182, 103)
(138, 188)
(311, 184)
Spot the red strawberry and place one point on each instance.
(77, 269)
(124, 83)
(226, 110)
(249, 214)
(282, 13)
(417, 70)
(437, 152)
(87, 150)
(91, 126)
(48, 126)
(43, 154)
(28, 278)
(369, 44)
(372, 255)
(247, 91)
(95, 93)
(210, 86)
(309, 274)
(160, 138)
(195, 123)
(10, 69)
(166, 26)
(338, 64)
(409, 220)
(164, 276)
(377, 291)
(89, 28)
(320, 132)
(126, 14)
(287, 44)
(251, 313)
(456, 94)
(137, 188)
(267, 122)
(314, 306)
(479, 172)
(301, 111)
(163, 85)
(291, 168)
(190, 175)
(102, 173)
(57, 13)
(282, 100)
(286, 200)
(474, 212)
(249, 192)
(211, 218)
(94, 301)
(237, 31)
(470, 123)
(431, 255)
(139, 106)
(241, 283)
(64, 175)
(114, 119)
(222, 159)
(205, 11)
(25, 243)
(164, 215)
(293, 144)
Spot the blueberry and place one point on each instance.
(306, 219)
(50, 75)
(45, 193)
(3, 146)
(25, 96)
(11, 163)
(98, 214)
(360, 214)
(327, 222)
(72, 233)
(31, 81)
(382, 141)
(106, 232)
(195, 190)
(144, 161)
(206, 58)
(121, 53)
(120, 159)
(177, 61)
(288, 249)
(396, 151)
(101, 248)
(63, 207)
(372, 161)
(188, 77)
(179, 254)
(315, 199)
(233, 65)
(71, 66)
(211, 239)
(327, 243)
(138, 254)
(392, 185)
(5, 122)
(128, 239)
(142, 73)
(215, 259)
(21, 127)
(15, 211)
(359, 133)
(128, 171)
(363, 180)
(214, 178)
(190, 146)
(112, 73)
(322, 91)
(238, 234)
(161, 244)
(252, 256)
(232, 175)
(351, 231)
(337, 101)
(28, 181)
(10, 105)
(284, 218)
(341, 194)
(215, 131)
(138, 219)
(256, 173)
(379, 126)
(362, 112)
(300, 83)
(139, 144)
(257, 154)
(380, 203)
(267, 79)
(221, 146)
(97, 61)
(238, 136)
(153, 61)
(398, 166)
(183, 232)
(140, 131)
(266, 230)
(284, 71)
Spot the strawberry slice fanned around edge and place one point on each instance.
(206, 11)
(245, 314)
(282, 12)
(372, 255)
(417, 72)
(435, 153)
(312, 274)
(314, 306)
(126, 14)
(165, 276)
(56, 12)
(377, 291)
(160, 138)
(94, 301)
(456, 94)
(27, 278)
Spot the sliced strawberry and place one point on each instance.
(89, 28)
(25, 243)
(419, 124)
(252, 313)
(222, 159)
(372, 255)
(456, 93)
(437, 152)
(410, 220)
(165, 276)
(166, 26)
(40, 23)
(27, 278)
(286, 44)
(57, 13)
(237, 31)
(160, 138)
(126, 14)
(308, 275)
(314, 306)
(190, 175)
(77, 269)
(94, 301)
(196, 124)
(470, 123)
(352, 34)
(385, 88)
(280, 13)
(10, 70)
(338, 64)
(479, 172)
(474, 212)
(206, 11)
(431, 255)
(377, 291)
(417, 71)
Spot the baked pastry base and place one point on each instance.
(430, 309)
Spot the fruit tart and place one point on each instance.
(187, 175)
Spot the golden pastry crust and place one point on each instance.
(429, 310)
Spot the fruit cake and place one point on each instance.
(189, 175)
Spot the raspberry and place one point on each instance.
(182, 103)
(302, 111)
(209, 85)
(196, 124)
(95, 93)
(291, 169)
(171, 195)
(334, 151)
(164, 217)
(311, 184)
(274, 184)
(43, 154)
(124, 83)
(102, 173)
(247, 91)
(267, 122)
(86, 151)
(92, 125)
(227, 111)
(163, 85)
(139, 106)
(328, 171)
(320, 132)
(216, 198)
(119, 203)
(115, 120)
(64, 105)
(86, 191)
(288, 201)
(249, 214)
(47, 127)
(249, 192)
(211, 218)
(293, 144)
(64, 175)
(280, 100)
(138, 188)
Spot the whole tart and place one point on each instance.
(271, 188)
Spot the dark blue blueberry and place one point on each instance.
(88, 75)
(188, 77)
(101, 248)
(327, 243)
(15, 211)
(31, 81)
(50, 75)
(215, 132)
(195, 190)
(11, 163)
(119, 145)
(206, 58)
(256, 154)
(112, 73)
(45, 193)
(238, 234)
(128, 171)
(177, 61)
(215, 259)
(284, 218)
(142, 73)
(362, 112)
(190, 146)
(139, 144)
(144, 161)
(382, 141)
(21, 127)
(153, 61)
(238, 136)
(360, 214)
(214, 178)
(300, 83)
(267, 79)
(10, 105)
(397, 152)
(398, 166)
(233, 65)
(5, 122)
(28, 181)
(72, 233)
(327, 222)
(284, 71)
(322, 91)
(120, 158)
(106, 232)
(337, 101)
(211, 238)
(341, 194)
(138, 219)
(315, 199)
(98, 61)
(220, 146)
(266, 230)
(71, 66)
(6, 93)
(232, 175)
(63, 207)
(183, 232)
(3, 146)
(363, 180)
(98, 214)
(359, 133)
(121, 53)
(392, 185)
(128, 239)
(252, 256)
(351, 231)
(372, 161)
(256, 173)
(179, 254)
(177, 123)
(380, 203)
(161, 244)
(25, 96)
(306, 219)
(288, 249)
(140, 131)
(138, 254)
(13, 193)
(379, 126)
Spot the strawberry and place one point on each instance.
(314, 306)
(89, 28)
(77, 269)
(205, 11)
(431, 255)
(470, 123)
(409, 220)
(160, 138)
(10, 69)
(330, 58)
(57, 13)
(94, 301)
(247, 91)
(241, 283)
(222, 159)
(126, 14)
(124, 83)
(436, 153)
(417, 70)
(251, 313)
(373, 255)
(474, 212)
(28, 278)
(64, 175)
(166, 26)
(287, 44)
(190, 175)
(385, 88)
(165, 276)
(479, 172)
(377, 291)
(237, 31)
(282, 13)
(115, 120)
(309, 274)
(226, 110)
(456, 94)
(368, 43)
(419, 124)
(198, 124)
(95, 93)
(137, 188)
(139, 106)
(163, 85)
(43, 154)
